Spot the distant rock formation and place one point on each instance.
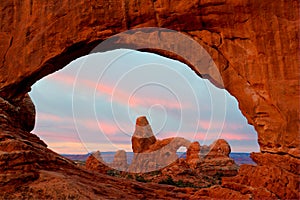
(220, 148)
(198, 169)
(151, 154)
(192, 155)
(120, 161)
(158, 155)
(217, 160)
(143, 136)
(96, 163)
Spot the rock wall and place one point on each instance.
(255, 45)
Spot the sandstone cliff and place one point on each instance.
(255, 45)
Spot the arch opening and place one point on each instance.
(141, 101)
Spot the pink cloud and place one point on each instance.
(68, 147)
(107, 90)
(194, 136)
(68, 122)
(63, 78)
(169, 134)
(206, 124)
(119, 95)
(223, 135)
(102, 88)
(233, 126)
(142, 101)
(236, 136)
(107, 128)
(124, 97)
(50, 117)
(61, 136)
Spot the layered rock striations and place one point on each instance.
(255, 46)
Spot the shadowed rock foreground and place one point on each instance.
(255, 45)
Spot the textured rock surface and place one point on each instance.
(262, 180)
(159, 162)
(143, 136)
(193, 154)
(96, 163)
(255, 45)
(220, 148)
(75, 183)
(218, 192)
(120, 161)
(200, 171)
(158, 155)
(151, 154)
(215, 159)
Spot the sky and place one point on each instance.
(92, 104)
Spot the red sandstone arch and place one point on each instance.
(254, 44)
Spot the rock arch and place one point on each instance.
(255, 46)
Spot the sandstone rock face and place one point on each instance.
(96, 163)
(70, 182)
(201, 171)
(193, 154)
(159, 162)
(151, 154)
(213, 159)
(254, 44)
(224, 166)
(120, 161)
(219, 148)
(158, 155)
(20, 113)
(218, 192)
(143, 136)
(264, 182)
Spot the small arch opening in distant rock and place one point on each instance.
(181, 152)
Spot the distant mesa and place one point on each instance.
(202, 164)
